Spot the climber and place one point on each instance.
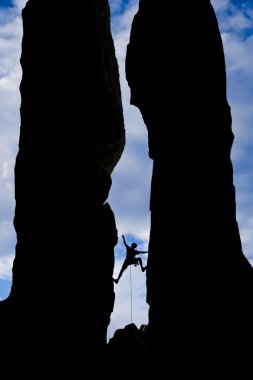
(130, 259)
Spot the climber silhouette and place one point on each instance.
(130, 259)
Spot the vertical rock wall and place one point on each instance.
(197, 275)
(71, 138)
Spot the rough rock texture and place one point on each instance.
(71, 138)
(199, 283)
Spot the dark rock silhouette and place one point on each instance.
(103, 265)
(197, 275)
(71, 138)
(129, 339)
(127, 351)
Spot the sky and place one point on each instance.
(129, 197)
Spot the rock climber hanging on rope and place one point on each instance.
(130, 259)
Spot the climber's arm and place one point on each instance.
(124, 240)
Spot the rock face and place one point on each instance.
(197, 275)
(71, 137)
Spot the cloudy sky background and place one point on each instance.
(129, 196)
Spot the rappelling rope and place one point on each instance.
(131, 294)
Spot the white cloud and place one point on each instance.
(122, 22)
(236, 24)
(232, 17)
(129, 196)
(115, 5)
(20, 4)
(5, 267)
(238, 54)
(10, 76)
(238, 49)
(247, 236)
(238, 21)
(220, 5)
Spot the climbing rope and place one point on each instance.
(131, 294)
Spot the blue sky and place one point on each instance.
(6, 3)
(129, 196)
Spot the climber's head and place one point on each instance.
(134, 245)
